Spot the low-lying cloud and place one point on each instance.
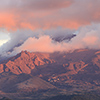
(86, 37)
(41, 44)
(44, 38)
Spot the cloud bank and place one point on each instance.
(47, 14)
(19, 37)
(87, 37)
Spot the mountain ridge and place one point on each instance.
(24, 62)
(49, 74)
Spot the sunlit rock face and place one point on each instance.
(24, 62)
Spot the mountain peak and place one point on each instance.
(24, 62)
(24, 52)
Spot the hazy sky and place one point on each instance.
(4, 37)
(33, 20)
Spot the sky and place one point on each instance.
(3, 38)
(32, 25)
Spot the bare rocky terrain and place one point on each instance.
(40, 75)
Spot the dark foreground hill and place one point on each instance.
(4, 98)
(69, 97)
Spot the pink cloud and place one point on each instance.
(43, 44)
(46, 14)
(88, 37)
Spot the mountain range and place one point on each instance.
(29, 75)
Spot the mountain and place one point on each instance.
(37, 75)
(24, 62)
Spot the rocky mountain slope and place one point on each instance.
(24, 62)
(31, 75)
